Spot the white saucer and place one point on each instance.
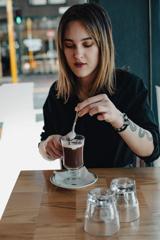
(87, 179)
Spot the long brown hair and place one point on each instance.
(98, 26)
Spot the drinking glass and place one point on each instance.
(125, 197)
(73, 158)
(101, 216)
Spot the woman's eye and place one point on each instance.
(68, 46)
(87, 45)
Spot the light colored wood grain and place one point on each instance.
(37, 210)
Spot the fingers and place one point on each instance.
(93, 105)
(54, 148)
(52, 153)
(98, 108)
(86, 103)
(101, 106)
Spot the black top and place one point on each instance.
(103, 146)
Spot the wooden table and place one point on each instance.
(37, 210)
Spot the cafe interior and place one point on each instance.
(63, 199)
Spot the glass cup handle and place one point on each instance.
(61, 162)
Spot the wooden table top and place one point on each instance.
(37, 210)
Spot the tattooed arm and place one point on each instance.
(139, 140)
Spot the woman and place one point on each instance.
(114, 115)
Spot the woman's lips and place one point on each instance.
(79, 65)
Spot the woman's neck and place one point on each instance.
(85, 86)
(83, 91)
(83, 95)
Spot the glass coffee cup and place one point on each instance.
(73, 158)
(124, 189)
(101, 215)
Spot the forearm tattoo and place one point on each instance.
(140, 131)
(132, 126)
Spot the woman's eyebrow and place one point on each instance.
(87, 38)
(83, 39)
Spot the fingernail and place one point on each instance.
(79, 114)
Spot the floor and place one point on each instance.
(21, 122)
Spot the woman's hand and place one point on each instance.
(101, 106)
(52, 147)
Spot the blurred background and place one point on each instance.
(29, 65)
(35, 24)
(136, 30)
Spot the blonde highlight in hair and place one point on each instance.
(98, 26)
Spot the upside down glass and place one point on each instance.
(125, 196)
(101, 216)
(73, 158)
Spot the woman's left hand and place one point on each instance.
(101, 106)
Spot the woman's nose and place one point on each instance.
(78, 53)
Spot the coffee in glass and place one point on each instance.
(73, 157)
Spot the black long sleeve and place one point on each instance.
(103, 146)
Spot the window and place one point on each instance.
(56, 1)
(45, 2)
(38, 2)
(2, 3)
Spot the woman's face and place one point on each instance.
(81, 51)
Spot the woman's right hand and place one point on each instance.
(51, 148)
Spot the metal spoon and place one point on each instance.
(71, 135)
